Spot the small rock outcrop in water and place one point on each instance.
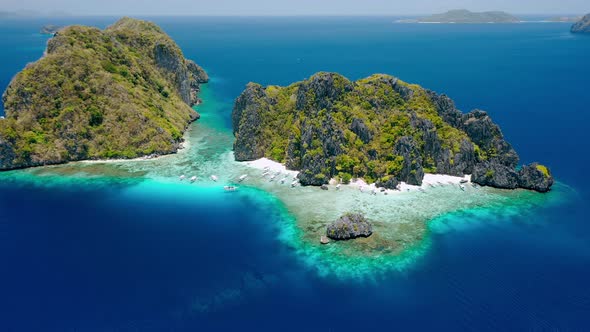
(378, 128)
(349, 226)
(582, 26)
(122, 92)
(535, 177)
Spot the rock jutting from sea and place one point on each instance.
(582, 26)
(123, 92)
(378, 128)
(349, 226)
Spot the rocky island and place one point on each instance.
(582, 26)
(122, 92)
(466, 16)
(349, 226)
(378, 128)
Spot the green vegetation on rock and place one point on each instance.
(543, 170)
(377, 128)
(122, 92)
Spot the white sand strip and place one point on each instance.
(429, 180)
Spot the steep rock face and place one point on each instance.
(378, 128)
(535, 177)
(349, 226)
(582, 26)
(494, 174)
(320, 146)
(359, 127)
(321, 91)
(445, 107)
(247, 114)
(488, 136)
(411, 172)
(122, 92)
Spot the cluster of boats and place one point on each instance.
(373, 191)
(215, 178)
(280, 177)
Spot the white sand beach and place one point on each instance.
(429, 181)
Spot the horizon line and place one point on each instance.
(65, 15)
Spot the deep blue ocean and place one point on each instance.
(106, 257)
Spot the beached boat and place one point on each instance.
(463, 181)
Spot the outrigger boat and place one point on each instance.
(230, 188)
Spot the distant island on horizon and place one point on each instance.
(466, 16)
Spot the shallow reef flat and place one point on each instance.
(401, 222)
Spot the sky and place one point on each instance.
(291, 7)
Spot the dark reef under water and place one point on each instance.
(126, 252)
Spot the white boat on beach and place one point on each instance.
(193, 179)
(294, 183)
(214, 178)
(182, 177)
(242, 177)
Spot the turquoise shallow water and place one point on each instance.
(127, 247)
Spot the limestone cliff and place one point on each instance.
(378, 128)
